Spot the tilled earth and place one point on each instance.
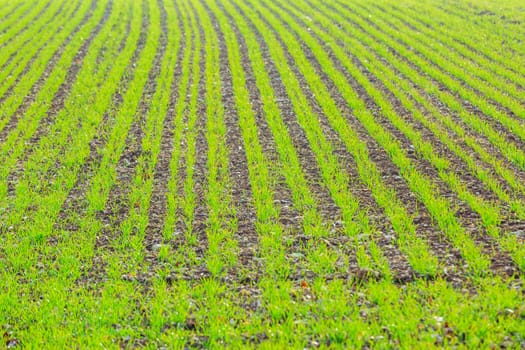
(123, 224)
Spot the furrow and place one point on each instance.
(416, 182)
(160, 232)
(20, 20)
(242, 195)
(16, 102)
(432, 164)
(222, 249)
(41, 118)
(195, 172)
(463, 116)
(51, 18)
(468, 99)
(112, 190)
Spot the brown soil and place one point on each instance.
(30, 97)
(56, 105)
(10, 13)
(470, 220)
(442, 248)
(25, 14)
(45, 24)
(197, 270)
(246, 234)
(116, 209)
(162, 174)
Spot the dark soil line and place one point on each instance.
(30, 98)
(494, 123)
(441, 247)
(242, 196)
(466, 18)
(182, 173)
(468, 218)
(116, 209)
(25, 43)
(466, 104)
(402, 270)
(448, 47)
(37, 16)
(289, 218)
(328, 209)
(10, 13)
(57, 104)
(482, 140)
(162, 172)
(76, 199)
(200, 271)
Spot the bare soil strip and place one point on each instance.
(44, 25)
(162, 172)
(246, 234)
(116, 209)
(290, 218)
(30, 98)
(441, 247)
(56, 105)
(199, 271)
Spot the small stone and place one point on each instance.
(156, 247)
(439, 339)
(297, 255)
(12, 343)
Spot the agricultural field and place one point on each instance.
(262, 173)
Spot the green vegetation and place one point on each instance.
(259, 173)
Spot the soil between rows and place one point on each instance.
(116, 209)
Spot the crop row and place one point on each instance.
(253, 172)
